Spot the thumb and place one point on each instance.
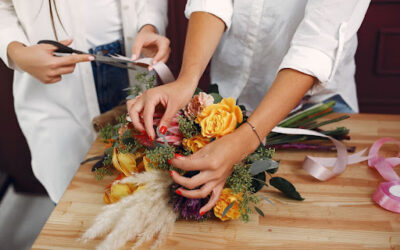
(137, 48)
(66, 42)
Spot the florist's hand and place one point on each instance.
(151, 44)
(215, 162)
(141, 109)
(39, 60)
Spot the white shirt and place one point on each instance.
(316, 37)
(103, 23)
(56, 118)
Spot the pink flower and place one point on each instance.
(197, 104)
(173, 134)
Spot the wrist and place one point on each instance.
(13, 48)
(247, 137)
(189, 83)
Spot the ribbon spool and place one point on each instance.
(388, 196)
(388, 193)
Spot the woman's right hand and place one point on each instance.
(39, 61)
(172, 96)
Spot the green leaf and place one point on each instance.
(197, 91)
(285, 187)
(226, 210)
(267, 200)
(213, 88)
(262, 165)
(259, 211)
(130, 97)
(217, 97)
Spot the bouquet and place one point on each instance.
(142, 199)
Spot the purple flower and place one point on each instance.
(188, 208)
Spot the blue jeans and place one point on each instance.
(341, 106)
(109, 80)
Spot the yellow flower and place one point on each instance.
(118, 191)
(127, 163)
(219, 119)
(195, 143)
(226, 198)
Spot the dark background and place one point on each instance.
(377, 77)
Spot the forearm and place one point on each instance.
(203, 35)
(285, 93)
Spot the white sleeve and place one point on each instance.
(10, 30)
(154, 12)
(319, 39)
(222, 9)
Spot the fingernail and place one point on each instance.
(150, 138)
(155, 62)
(170, 172)
(169, 162)
(178, 192)
(202, 213)
(143, 132)
(178, 156)
(163, 130)
(133, 57)
(150, 68)
(91, 58)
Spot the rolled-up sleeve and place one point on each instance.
(222, 9)
(319, 39)
(10, 30)
(154, 12)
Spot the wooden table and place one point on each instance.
(336, 214)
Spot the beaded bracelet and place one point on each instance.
(255, 131)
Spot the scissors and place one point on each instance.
(116, 60)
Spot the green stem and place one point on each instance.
(305, 113)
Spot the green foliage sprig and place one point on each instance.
(159, 157)
(99, 173)
(188, 127)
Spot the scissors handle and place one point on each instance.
(61, 48)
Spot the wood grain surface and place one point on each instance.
(336, 214)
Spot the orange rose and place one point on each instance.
(219, 119)
(226, 198)
(195, 143)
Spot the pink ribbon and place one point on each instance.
(160, 68)
(388, 193)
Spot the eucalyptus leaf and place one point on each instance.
(258, 181)
(213, 88)
(217, 97)
(226, 210)
(259, 211)
(130, 97)
(267, 200)
(262, 165)
(197, 91)
(128, 141)
(285, 187)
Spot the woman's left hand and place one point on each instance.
(151, 44)
(215, 162)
